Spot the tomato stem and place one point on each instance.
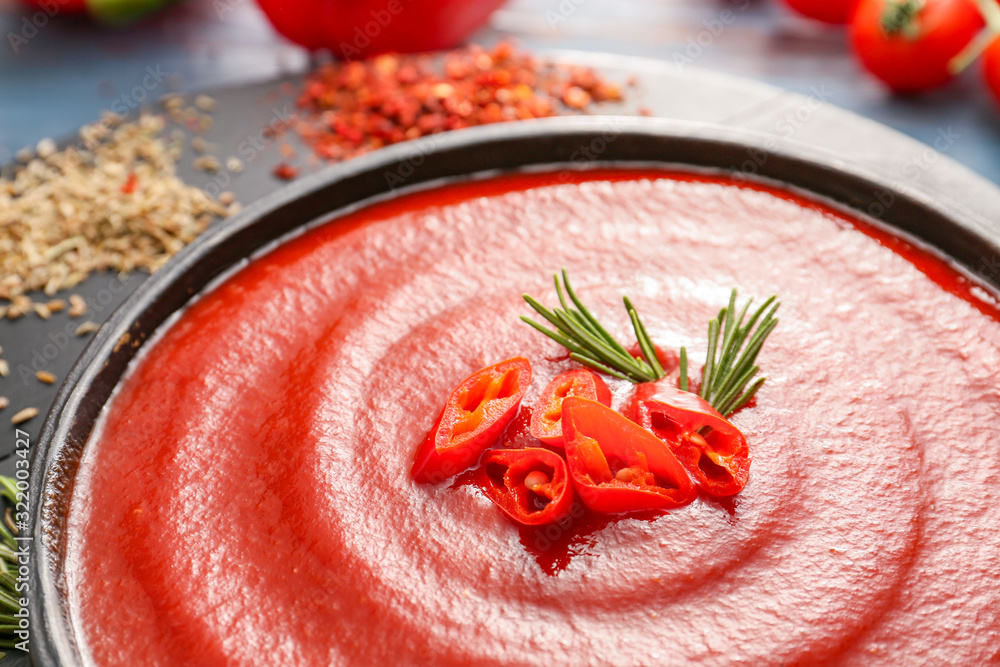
(991, 14)
(973, 51)
(900, 17)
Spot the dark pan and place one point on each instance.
(549, 145)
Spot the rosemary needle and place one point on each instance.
(729, 379)
(589, 343)
(10, 598)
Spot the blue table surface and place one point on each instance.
(65, 71)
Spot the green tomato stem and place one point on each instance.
(973, 51)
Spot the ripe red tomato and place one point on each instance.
(991, 69)
(358, 28)
(827, 11)
(69, 6)
(908, 43)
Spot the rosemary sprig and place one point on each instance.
(729, 379)
(9, 597)
(589, 343)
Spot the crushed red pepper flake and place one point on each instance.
(129, 186)
(351, 108)
(285, 171)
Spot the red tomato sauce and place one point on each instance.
(247, 496)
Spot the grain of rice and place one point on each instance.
(77, 305)
(23, 416)
(56, 305)
(205, 103)
(208, 163)
(86, 328)
(46, 377)
(4, 402)
(4, 368)
(45, 148)
(172, 101)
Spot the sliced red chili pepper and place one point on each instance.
(474, 417)
(546, 416)
(618, 466)
(713, 450)
(530, 485)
